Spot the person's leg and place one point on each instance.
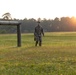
(36, 39)
(36, 43)
(40, 41)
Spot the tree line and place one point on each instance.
(49, 25)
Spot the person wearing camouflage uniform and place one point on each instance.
(38, 34)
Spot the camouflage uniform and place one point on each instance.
(38, 35)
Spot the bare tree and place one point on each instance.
(7, 16)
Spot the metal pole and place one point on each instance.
(18, 35)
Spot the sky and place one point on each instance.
(48, 9)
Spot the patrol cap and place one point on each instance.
(38, 21)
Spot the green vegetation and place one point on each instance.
(57, 56)
(62, 24)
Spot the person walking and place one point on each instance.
(38, 34)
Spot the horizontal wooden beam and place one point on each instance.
(9, 22)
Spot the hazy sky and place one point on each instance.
(21, 9)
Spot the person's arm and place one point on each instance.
(35, 35)
(42, 31)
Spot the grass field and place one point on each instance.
(57, 56)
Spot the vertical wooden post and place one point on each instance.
(18, 35)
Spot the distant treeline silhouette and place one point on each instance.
(49, 25)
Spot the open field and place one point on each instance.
(57, 56)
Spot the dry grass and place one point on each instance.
(57, 56)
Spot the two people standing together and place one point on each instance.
(38, 34)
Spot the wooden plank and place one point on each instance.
(17, 23)
(9, 22)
